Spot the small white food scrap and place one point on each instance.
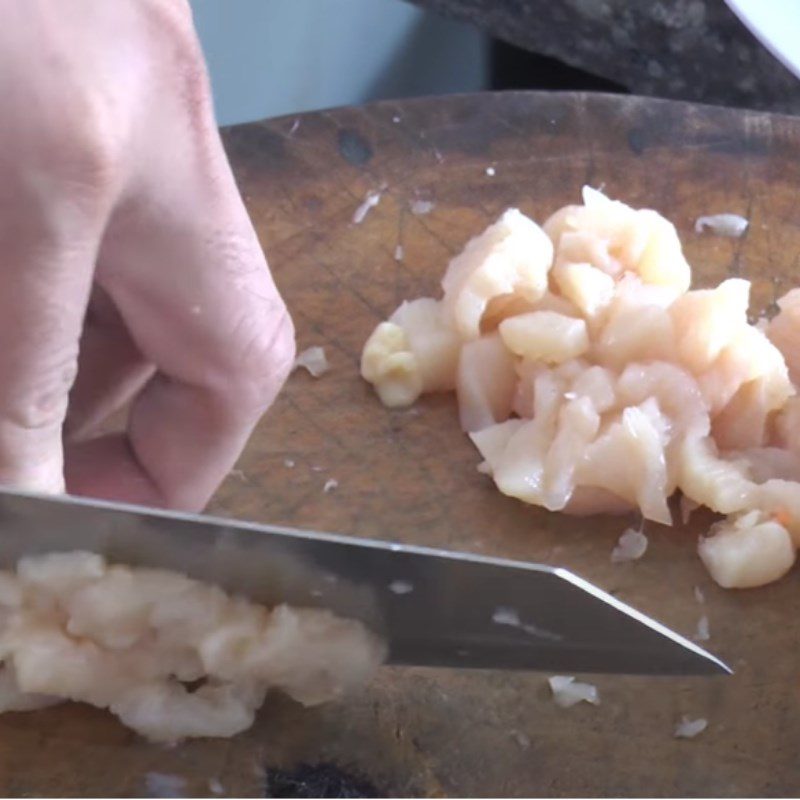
(215, 787)
(521, 739)
(314, 360)
(631, 546)
(158, 784)
(401, 587)
(699, 595)
(732, 225)
(330, 485)
(370, 201)
(689, 728)
(398, 253)
(421, 207)
(506, 616)
(490, 171)
(567, 692)
(703, 633)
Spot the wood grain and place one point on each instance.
(411, 475)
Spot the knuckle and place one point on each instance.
(42, 405)
(258, 359)
(91, 150)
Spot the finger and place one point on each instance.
(185, 269)
(50, 227)
(190, 423)
(111, 370)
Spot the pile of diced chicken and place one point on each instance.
(170, 656)
(592, 380)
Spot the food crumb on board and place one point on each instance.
(370, 201)
(239, 473)
(490, 171)
(313, 360)
(506, 616)
(401, 587)
(521, 739)
(288, 463)
(699, 595)
(330, 485)
(732, 225)
(398, 253)
(703, 633)
(160, 784)
(689, 728)
(567, 692)
(631, 546)
(215, 787)
(421, 207)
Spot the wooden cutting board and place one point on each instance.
(411, 475)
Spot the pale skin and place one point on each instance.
(130, 273)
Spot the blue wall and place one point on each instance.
(273, 57)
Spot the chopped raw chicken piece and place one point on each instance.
(634, 332)
(492, 441)
(598, 385)
(568, 692)
(786, 430)
(513, 256)
(485, 383)
(12, 698)
(747, 552)
(129, 639)
(545, 336)
(389, 365)
(432, 341)
(706, 321)
(784, 332)
(628, 461)
(674, 389)
(749, 356)
(732, 225)
(556, 303)
(712, 481)
(578, 423)
(781, 500)
(592, 381)
(519, 472)
(589, 288)
(615, 238)
(744, 421)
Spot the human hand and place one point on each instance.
(128, 264)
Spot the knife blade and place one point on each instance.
(433, 607)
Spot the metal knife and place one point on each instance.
(433, 607)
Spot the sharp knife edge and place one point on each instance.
(434, 607)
